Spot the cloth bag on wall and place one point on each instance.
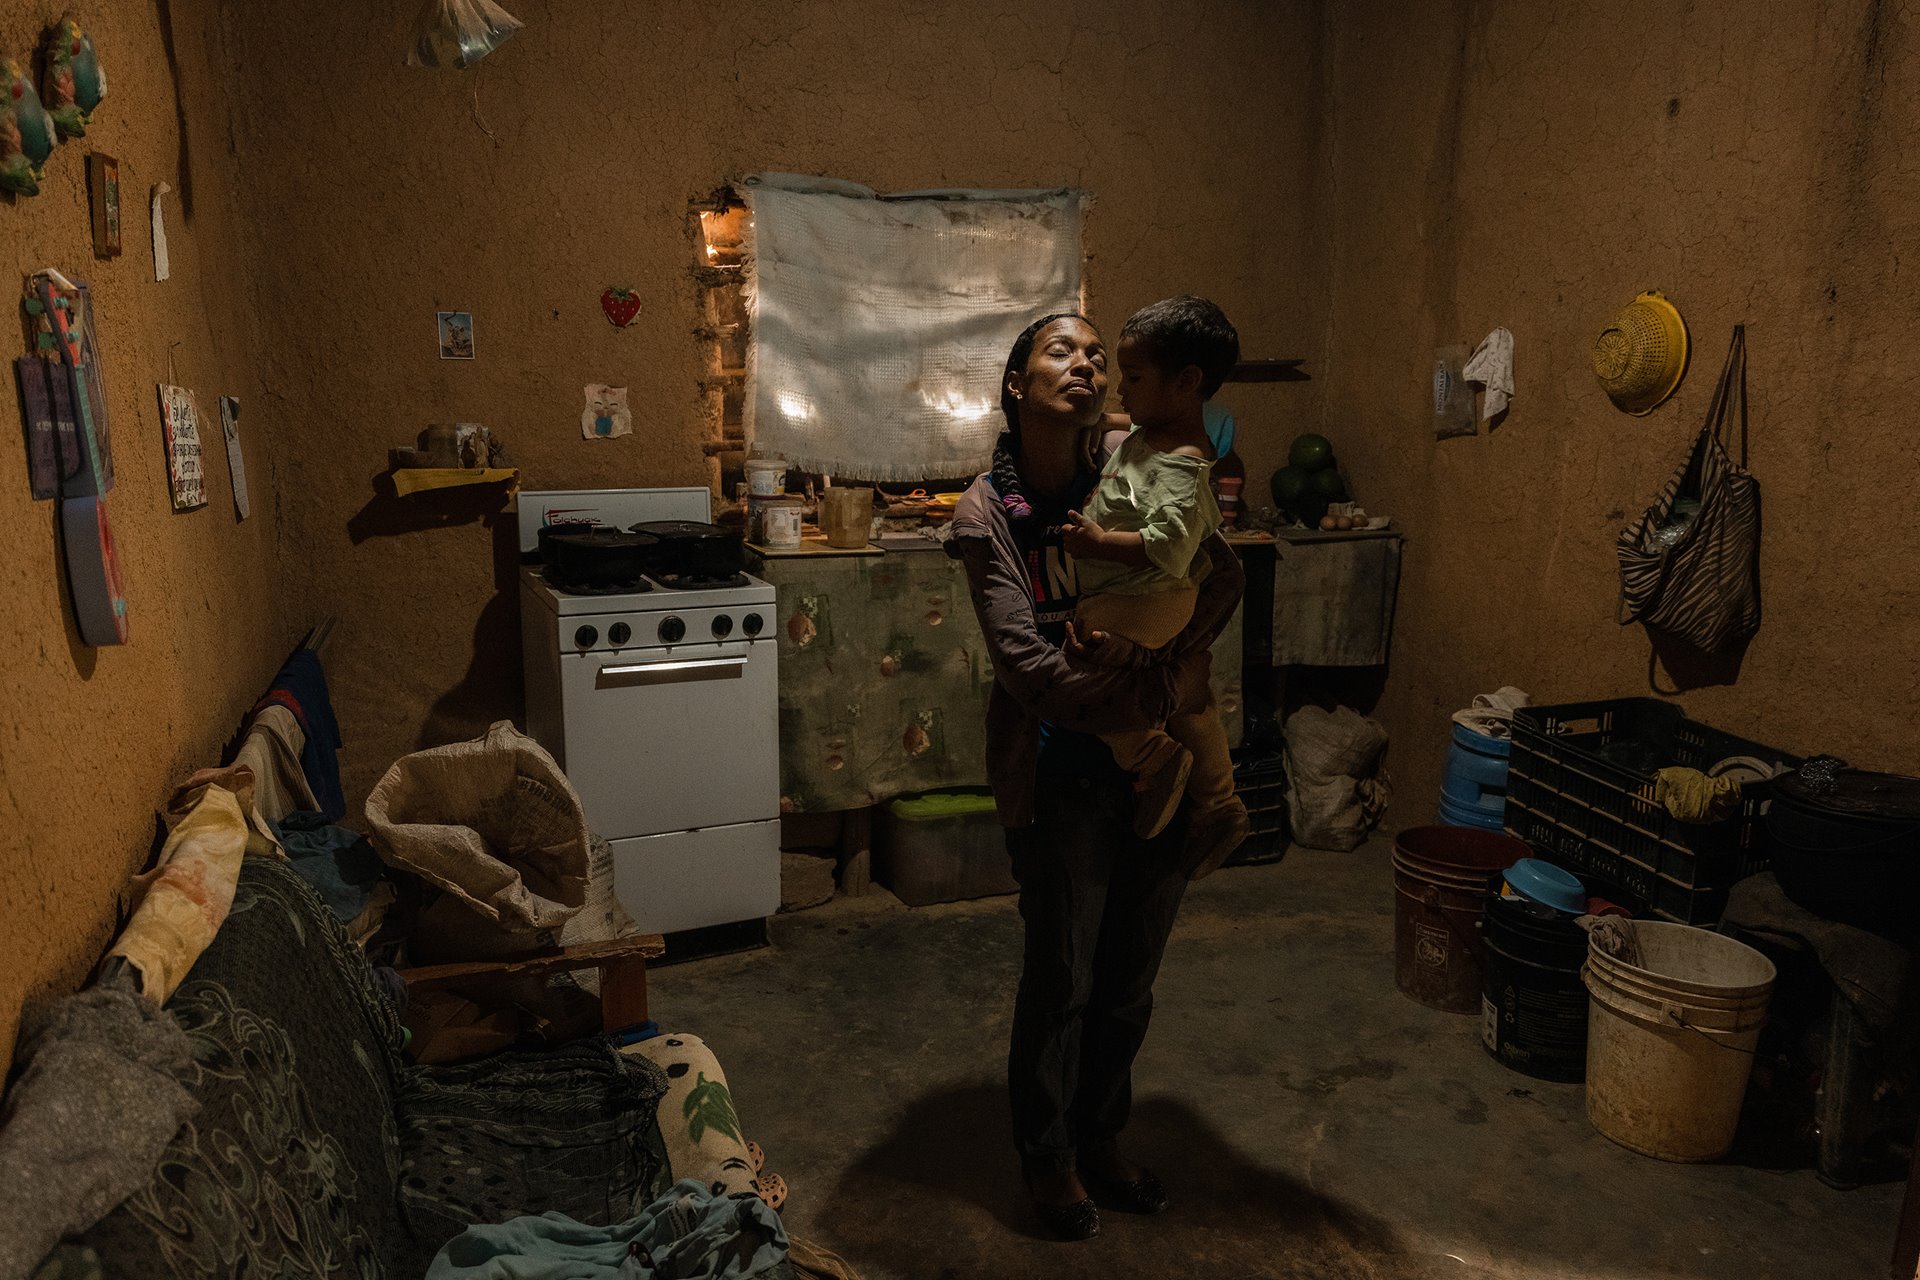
(1690, 565)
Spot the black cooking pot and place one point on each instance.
(1850, 852)
(691, 549)
(597, 557)
(546, 534)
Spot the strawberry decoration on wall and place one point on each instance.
(621, 306)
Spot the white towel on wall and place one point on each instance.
(1492, 367)
(881, 325)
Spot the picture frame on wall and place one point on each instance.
(103, 190)
(456, 335)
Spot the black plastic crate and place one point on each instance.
(1260, 780)
(1576, 793)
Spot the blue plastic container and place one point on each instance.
(1548, 885)
(1473, 792)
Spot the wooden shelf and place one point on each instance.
(408, 480)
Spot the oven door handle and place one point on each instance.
(670, 671)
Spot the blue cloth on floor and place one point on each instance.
(687, 1234)
(305, 681)
(338, 863)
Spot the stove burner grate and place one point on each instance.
(700, 582)
(559, 583)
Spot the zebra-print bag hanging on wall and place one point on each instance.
(1690, 565)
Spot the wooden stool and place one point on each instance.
(622, 964)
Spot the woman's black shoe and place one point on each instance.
(1077, 1221)
(1142, 1195)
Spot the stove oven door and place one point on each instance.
(673, 739)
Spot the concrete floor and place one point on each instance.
(1309, 1120)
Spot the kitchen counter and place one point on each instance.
(815, 546)
(884, 676)
(1328, 596)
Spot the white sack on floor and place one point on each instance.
(1336, 785)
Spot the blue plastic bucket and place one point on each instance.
(1473, 790)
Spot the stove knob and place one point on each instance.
(751, 624)
(584, 637)
(672, 630)
(722, 626)
(619, 633)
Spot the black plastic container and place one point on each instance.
(1851, 854)
(1260, 780)
(1535, 1004)
(1580, 790)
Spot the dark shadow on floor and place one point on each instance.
(939, 1199)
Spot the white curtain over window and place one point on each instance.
(880, 324)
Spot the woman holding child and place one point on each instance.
(1100, 582)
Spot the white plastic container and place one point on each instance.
(766, 476)
(780, 519)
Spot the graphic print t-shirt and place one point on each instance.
(1056, 594)
(1050, 570)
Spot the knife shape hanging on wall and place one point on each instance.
(93, 572)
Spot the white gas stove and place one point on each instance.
(658, 699)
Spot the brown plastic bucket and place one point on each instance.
(1440, 885)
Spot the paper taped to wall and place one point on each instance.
(161, 269)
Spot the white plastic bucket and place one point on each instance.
(1670, 1040)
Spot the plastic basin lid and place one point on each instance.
(942, 804)
(1545, 883)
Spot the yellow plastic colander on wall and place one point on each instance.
(1641, 357)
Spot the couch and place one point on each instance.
(317, 1149)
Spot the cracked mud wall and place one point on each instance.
(563, 163)
(92, 740)
(1536, 166)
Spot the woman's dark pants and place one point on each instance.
(1098, 903)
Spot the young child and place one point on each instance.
(1136, 545)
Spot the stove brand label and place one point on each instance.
(570, 515)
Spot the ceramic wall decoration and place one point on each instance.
(621, 305)
(26, 132)
(74, 83)
(606, 414)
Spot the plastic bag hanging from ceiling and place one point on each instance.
(458, 33)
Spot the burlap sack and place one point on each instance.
(494, 822)
(1336, 786)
